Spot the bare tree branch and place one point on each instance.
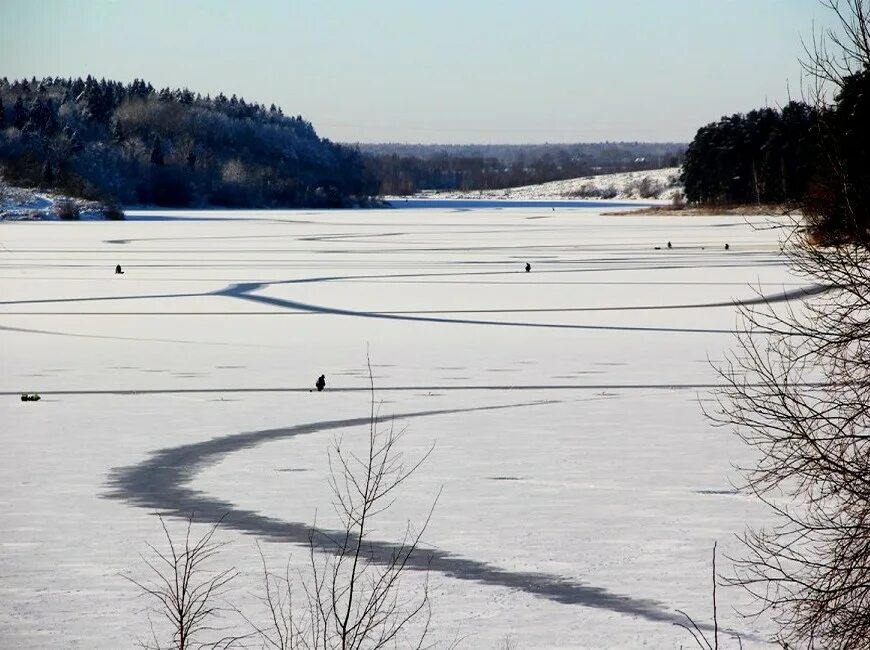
(355, 597)
(187, 592)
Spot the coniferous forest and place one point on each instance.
(764, 156)
(816, 157)
(133, 144)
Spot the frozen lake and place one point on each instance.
(582, 486)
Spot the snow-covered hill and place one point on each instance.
(660, 184)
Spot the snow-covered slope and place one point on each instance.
(659, 184)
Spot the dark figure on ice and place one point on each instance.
(118, 269)
(669, 245)
(321, 383)
(727, 247)
(528, 267)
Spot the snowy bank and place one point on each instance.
(30, 204)
(655, 184)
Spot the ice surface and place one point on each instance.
(579, 513)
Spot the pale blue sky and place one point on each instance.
(446, 71)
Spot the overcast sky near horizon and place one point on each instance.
(454, 71)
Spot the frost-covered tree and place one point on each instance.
(118, 132)
(129, 142)
(19, 113)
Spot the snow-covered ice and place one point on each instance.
(582, 486)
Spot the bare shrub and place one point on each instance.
(66, 209)
(649, 188)
(609, 192)
(508, 643)
(112, 211)
(585, 191)
(186, 592)
(354, 596)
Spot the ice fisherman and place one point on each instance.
(320, 384)
(528, 267)
(118, 269)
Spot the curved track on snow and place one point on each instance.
(161, 483)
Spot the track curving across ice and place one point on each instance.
(245, 291)
(161, 483)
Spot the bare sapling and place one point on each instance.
(354, 594)
(186, 592)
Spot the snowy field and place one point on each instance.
(582, 487)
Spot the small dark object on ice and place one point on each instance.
(27, 397)
(321, 383)
(118, 269)
(528, 267)
(727, 247)
(658, 248)
(669, 245)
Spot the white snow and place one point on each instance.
(658, 185)
(600, 472)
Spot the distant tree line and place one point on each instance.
(405, 169)
(132, 143)
(816, 157)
